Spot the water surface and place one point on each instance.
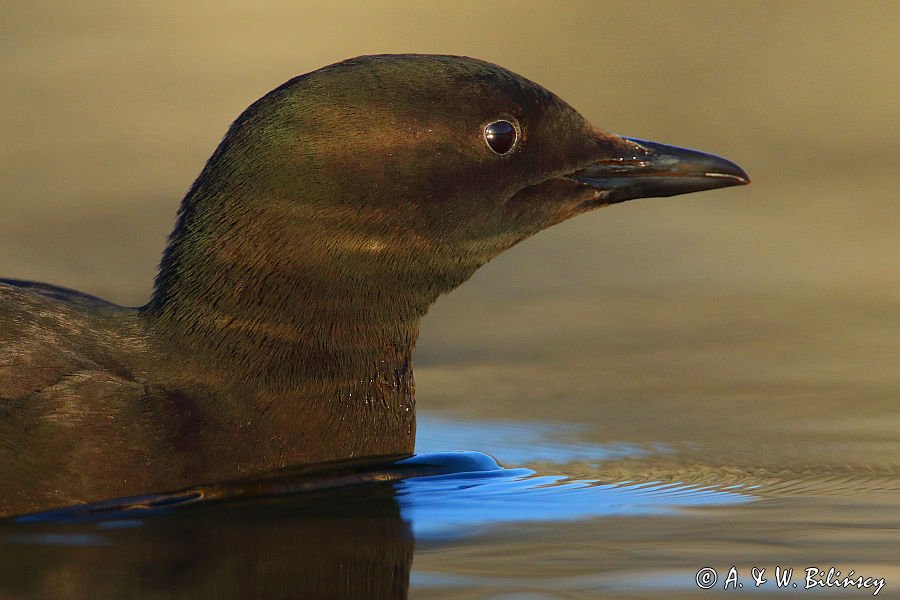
(587, 522)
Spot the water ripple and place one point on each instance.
(461, 504)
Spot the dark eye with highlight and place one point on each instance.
(501, 136)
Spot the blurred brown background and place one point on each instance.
(782, 296)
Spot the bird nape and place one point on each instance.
(334, 212)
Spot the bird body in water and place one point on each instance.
(335, 211)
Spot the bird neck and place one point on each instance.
(284, 284)
(311, 361)
(295, 329)
(306, 303)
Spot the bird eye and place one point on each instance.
(501, 136)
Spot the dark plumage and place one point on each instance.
(335, 211)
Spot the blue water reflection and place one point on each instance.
(478, 493)
(463, 504)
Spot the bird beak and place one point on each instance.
(648, 169)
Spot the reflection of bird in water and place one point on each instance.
(345, 543)
(333, 214)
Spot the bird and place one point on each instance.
(281, 327)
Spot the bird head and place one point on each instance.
(410, 170)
